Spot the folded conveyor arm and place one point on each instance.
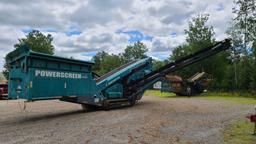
(143, 83)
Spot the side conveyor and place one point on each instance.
(120, 73)
(137, 87)
(101, 78)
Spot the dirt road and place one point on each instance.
(152, 120)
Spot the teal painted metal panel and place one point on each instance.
(41, 76)
(116, 91)
(58, 83)
(125, 71)
(36, 76)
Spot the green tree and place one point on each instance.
(105, 62)
(198, 36)
(136, 51)
(253, 77)
(180, 51)
(244, 27)
(245, 21)
(98, 58)
(254, 48)
(36, 41)
(157, 64)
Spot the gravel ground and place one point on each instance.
(153, 120)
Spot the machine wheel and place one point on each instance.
(132, 101)
(87, 107)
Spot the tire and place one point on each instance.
(132, 101)
(106, 106)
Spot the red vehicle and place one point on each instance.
(3, 90)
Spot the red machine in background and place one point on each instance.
(252, 119)
(3, 91)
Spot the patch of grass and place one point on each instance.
(159, 93)
(240, 133)
(240, 98)
(232, 97)
(228, 94)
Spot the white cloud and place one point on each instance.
(98, 21)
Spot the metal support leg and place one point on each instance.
(24, 106)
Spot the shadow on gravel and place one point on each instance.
(139, 104)
(143, 103)
(29, 119)
(24, 119)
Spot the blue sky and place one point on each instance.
(73, 31)
(136, 35)
(82, 28)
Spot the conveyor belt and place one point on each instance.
(150, 78)
(114, 71)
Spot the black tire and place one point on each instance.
(132, 101)
(106, 106)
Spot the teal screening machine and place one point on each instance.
(35, 76)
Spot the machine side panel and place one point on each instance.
(47, 84)
(36, 76)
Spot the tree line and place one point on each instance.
(105, 62)
(232, 70)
